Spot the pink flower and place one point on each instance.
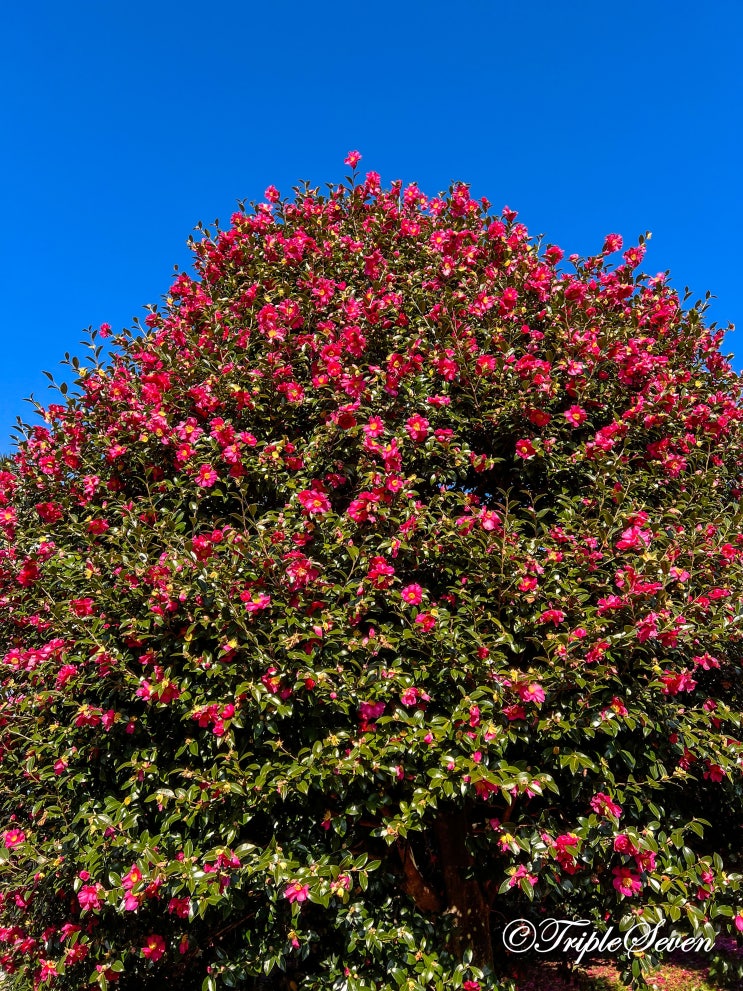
(426, 621)
(576, 415)
(647, 628)
(417, 427)
(633, 256)
(132, 877)
(645, 860)
(89, 897)
(540, 418)
(675, 683)
(374, 427)
(380, 572)
(255, 603)
(28, 574)
(565, 841)
(154, 948)
(605, 806)
(75, 954)
(739, 922)
(82, 607)
(50, 512)
(206, 477)
(608, 603)
(314, 501)
(554, 616)
(180, 907)
(508, 300)
(532, 692)
(514, 712)
(706, 661)
(489, 520)
(352, 158)
(623, 844)
(64, 674)
(626, 882)
(297, 892)
(617, 706)
(525, 449)
(521, 872)
(410, 696)
(634, 538)
(48, 970)
(412, 594)
(12, 837)
(612, 243)
(368, 711)
(714, 772)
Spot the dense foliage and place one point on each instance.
(385, 588)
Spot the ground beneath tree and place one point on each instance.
(684, 972)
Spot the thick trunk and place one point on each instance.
(465, 897)
(414, 884)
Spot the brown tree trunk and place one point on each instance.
(414, 884)
(465, 897)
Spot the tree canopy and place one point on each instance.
(382, 589)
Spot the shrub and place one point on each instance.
(383, 589)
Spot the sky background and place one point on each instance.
(123, 125)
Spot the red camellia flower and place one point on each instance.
(531, 692)
(49, 512)
(622, 844)
(417, 427)
(89, 897)
(206, 477)
(426, 621)
(154, 947)
(605, 806)
(626, 881)
(369, 711)
(82, 607)
(28, 574)
(554, 616)
(12, 837)
(255, 602)
(525, 449)
(314, 502)
(297, 892)
(576, 416)
(412, 594)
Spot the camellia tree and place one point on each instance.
(384, 589)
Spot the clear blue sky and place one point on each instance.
(125, 124)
